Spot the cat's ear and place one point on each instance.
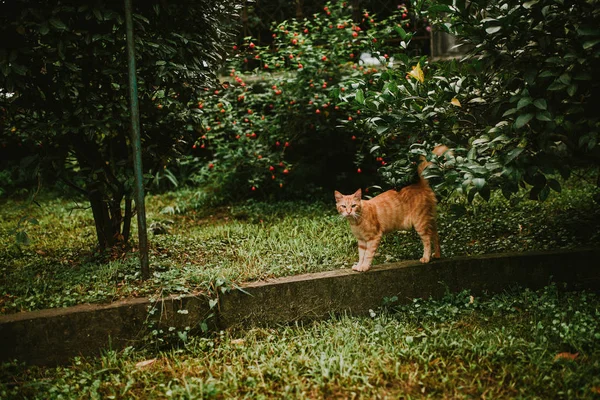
(358, 194)
(338, 195)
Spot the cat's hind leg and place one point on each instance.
(437, 253)
(426, 236)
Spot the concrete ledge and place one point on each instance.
(54, 336)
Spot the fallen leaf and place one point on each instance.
(145, 363)
(455, 102)
(238, 342)
(566, 356)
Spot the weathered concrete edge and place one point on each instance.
(56, 335)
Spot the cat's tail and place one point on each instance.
(439, 151)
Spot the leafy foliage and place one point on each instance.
(544, 56)
(64, 90)
(275, 124)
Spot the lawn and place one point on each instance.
(519, 344)
(254, 241)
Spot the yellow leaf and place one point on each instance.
(455, 102)
(417, 73)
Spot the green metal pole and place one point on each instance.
(136, 145)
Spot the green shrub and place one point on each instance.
(282, 122)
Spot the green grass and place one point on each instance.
(520, 344)
(253, 241)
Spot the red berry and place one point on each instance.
(211, 166)
(285, 171)
(358, 170)
(251, 45)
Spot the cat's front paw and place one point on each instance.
(360, 268)
(424, 260)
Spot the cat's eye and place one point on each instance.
(354, 205)
(343, 206)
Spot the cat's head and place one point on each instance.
(349, 206)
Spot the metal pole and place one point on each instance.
(136, 145)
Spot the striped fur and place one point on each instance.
(412, 206)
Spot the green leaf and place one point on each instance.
(556, 86)
(360, 96)
(543, 116)
(439, 8)
(547, 74)
(529, 4)
(571, 90)
(18, 69)
(44, 29)
(58, 24)
(478, 183)
(212, 303)
(400, 31)
(544, 193)
(524, 102)
(554, 185)
(534, 193)
(590, 43)
(493, 29)
(540, 104)
(23, 238)
(586, 31)
(514, 153)
(523, 120)
(564, 78)
(485, 192)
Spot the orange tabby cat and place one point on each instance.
(412, 206)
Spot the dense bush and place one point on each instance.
(544, 56)
(64, 85)
(307, 113)
(282, 122)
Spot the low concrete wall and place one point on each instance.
(54, 336)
